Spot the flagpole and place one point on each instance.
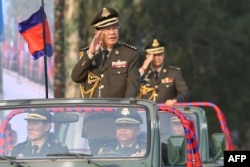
(45, 51)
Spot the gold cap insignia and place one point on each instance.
(155, 43)
(105, 12)
(125, 111)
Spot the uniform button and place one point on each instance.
(118, 72)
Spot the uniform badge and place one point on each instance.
(167, 80)
(117, 52)
(105, 12)
(125, 111)
(119, 64)
(155, 43)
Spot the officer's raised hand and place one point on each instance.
(146, 63)
(96, 43)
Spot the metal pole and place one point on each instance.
(45, 50)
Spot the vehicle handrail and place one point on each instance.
(193, 154)
(220, 117)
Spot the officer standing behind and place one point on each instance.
(38, 143)
(127, 132)
(107, 68)
(161, 83)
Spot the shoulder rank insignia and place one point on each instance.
(130, 46)
(176, 68)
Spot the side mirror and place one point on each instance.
(177, 151)
(218, 144)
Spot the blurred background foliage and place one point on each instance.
(208, 39)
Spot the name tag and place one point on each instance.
(119, 64)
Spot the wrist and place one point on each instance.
(144, 69)
(90, 55)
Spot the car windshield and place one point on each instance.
(95, 131)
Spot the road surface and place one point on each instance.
(17, 87)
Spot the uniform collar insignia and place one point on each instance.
(117, 52)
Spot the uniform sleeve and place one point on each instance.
(183, 93)
(134, 78)
(80, 70)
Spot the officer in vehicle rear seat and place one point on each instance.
(38, 143)
(127, 131)
(177, 128)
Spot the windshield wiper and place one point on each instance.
(13, 161)
(70, 155)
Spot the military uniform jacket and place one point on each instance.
(169, 85)
(119, 76)
(25, 149)
(116, 148)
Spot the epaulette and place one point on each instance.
(176, 68)
(86, 48)
(130, 46)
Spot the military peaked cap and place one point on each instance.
(175, 119)
(129, 116)
(155, 47)
(40, 115)
(106, 17)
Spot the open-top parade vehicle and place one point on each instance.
(86, 125)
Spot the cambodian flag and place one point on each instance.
(32, 31)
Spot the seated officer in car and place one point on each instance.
(177, 128)
(127, 131)
(38, 143)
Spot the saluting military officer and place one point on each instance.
(38, 142)
(107, 68)
(161, 83)
(127, 131)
